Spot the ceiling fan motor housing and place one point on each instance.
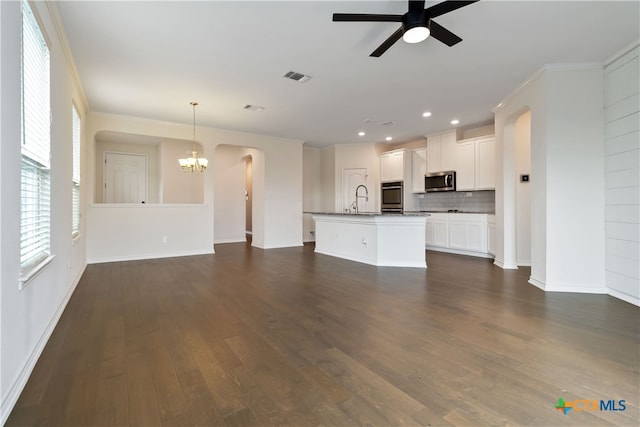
(413, 20)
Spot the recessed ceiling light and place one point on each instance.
(426, 114)
(455, 121)
(361, 133)
(388, 138)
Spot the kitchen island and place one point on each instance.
(392, 240)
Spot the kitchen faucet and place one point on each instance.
(366, 195)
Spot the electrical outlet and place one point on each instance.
(469, 194)
(164, 239)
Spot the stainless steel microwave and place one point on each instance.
(440, 181)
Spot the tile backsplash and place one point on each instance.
(479, 201)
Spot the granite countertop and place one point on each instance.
(407, 213)
(458, 211)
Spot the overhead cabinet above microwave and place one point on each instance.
(441, 151)
(475, 164)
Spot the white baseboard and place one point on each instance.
(567, 287)
(242, 239)
(100, 260)
(459, 252)
(261, 246)
(537, 283)
(624, 297)
(21, 381)
(500, 263)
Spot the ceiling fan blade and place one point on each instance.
(365, 17)
(438, 32)
(387, 43)
(446, 7)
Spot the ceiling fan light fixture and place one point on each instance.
(416, 34)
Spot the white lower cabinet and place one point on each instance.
(461, 233)
(437, 227)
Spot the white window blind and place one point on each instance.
(35, 218)
(75, 221)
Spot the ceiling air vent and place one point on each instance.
(299, 77)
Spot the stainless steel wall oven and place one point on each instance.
(392, 195)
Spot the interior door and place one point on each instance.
(351, 178)
(125, 178)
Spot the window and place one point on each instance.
(75, 195)
(35, 203)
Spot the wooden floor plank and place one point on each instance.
(287, 337)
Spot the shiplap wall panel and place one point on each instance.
(622, 144)
(622, 175)
(620, 247)
(621, 78)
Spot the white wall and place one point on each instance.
(356, 156)
(176, 186)
(567, 148)
(311, 189)
(277, 208)
(575, 149)
(523, 189)
(328, 178)
(28, 316)
(622, 175)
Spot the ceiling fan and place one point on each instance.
(416, 26)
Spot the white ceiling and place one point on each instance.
(150, 59)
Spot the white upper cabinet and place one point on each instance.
(486, 164)
(392, 166)
(475, 164)
(465, 166)
(418, 169)
(441, 151)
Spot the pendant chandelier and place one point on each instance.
(194, 163)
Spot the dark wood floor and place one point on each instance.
(248, 337)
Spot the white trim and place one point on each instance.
(537, 283)
(537, 74)
(567, 287)
(64, 44)
(459, 252)
(624, 297)
(101, 260)
(369, 261)
(231, 240)
(622, 52)
(21, 381)
(33, 272)
(577, 66)
(500, 263)
(262, 246)
(517, 90)
(523, 263)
